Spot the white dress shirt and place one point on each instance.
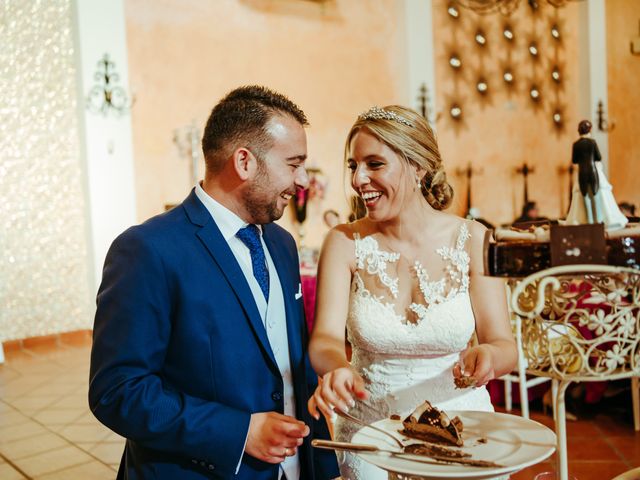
(273, 313)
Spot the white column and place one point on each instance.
(593, 70)
(419, 38)
(106, 139)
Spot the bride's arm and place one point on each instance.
(326, 347)
(327, 352)
(496, 353)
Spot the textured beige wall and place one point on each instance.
(623, 17)
(336, 58)
(504, 129)
(333, 58)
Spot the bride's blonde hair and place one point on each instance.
(408, 134)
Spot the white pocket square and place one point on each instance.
(299, 294)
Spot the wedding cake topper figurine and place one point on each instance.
(585, 154)
(592, 198)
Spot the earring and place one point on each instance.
(418, 182)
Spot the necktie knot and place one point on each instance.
(250, 236)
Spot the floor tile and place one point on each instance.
(86, 446)
(85, 432)
(12, 417)
(93, 470)
(23, 430)
(71, 401)
(86, 417)
(27, 447)
(52, 461)
(57, 416)
(7, 472)
(597, 470)
(113, 437)
(110, 452)
(598, 449)
(627, 447)
(32, 404)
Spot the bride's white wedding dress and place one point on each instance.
(606, 205)
(407, 357)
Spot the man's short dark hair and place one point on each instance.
(584, 127)
(240, 119)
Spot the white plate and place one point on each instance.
(512, 441)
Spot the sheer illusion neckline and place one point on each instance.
(373, 260)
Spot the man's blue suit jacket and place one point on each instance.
(180, 355)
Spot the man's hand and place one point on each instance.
(273, 436)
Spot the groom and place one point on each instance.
(199, 353)
(585, 154)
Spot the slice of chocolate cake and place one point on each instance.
(428, 423)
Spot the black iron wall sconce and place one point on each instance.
(105, 97)
(603, 124)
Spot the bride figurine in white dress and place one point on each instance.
(407, 282)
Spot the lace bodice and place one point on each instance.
(406, 332)
(443, 321)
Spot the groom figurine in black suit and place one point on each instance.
(199, 352)
(585, 153)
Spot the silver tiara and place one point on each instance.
(377, 113)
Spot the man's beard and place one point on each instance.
(258, 199)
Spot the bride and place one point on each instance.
(407, 282)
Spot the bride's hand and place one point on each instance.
(478, 363)
(336, 389)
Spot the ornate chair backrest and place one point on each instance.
(580, 321)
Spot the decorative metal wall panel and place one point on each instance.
(44, 261)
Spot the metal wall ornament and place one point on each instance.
(456, 112)
(505, 7)
(106, 97)
(453, 11)
(603, 124)
(557, 117)
(482, 86)
(507, 33)
(455, 62)
(534, 93)
(508, 77)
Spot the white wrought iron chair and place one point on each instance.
(519, 375)
(553, 306)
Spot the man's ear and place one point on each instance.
(244, 163)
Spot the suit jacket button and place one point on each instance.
(276, 396)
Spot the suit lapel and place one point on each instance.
(211, 237)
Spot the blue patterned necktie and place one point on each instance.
(250, 236)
